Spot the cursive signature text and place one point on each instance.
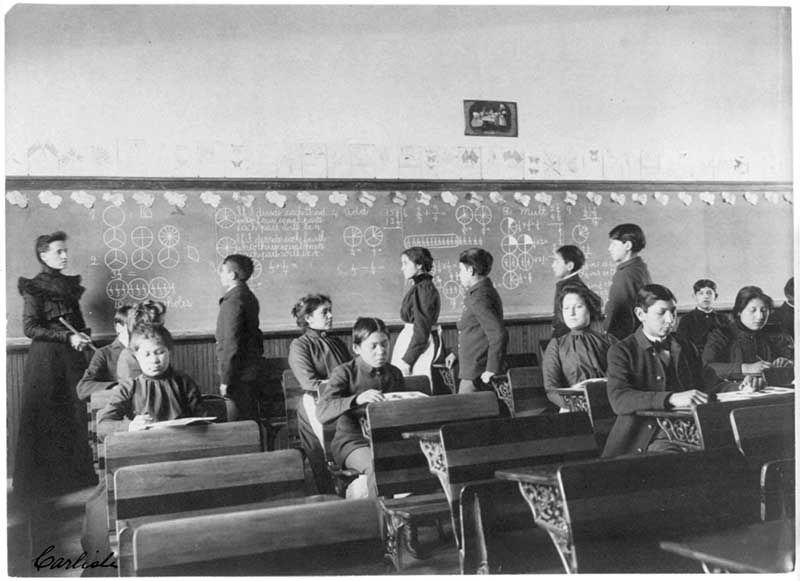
(47, 561)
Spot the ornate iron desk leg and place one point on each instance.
(548, 513)
(681, 430)
(503, 389)
(432, 448)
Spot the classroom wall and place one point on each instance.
(669, 92)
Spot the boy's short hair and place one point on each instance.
(788, 288)
(306, 305)
(593, 301)
(158, 333)
(240, 265)
(121, 315)
(478, 258)
(650, 294)
(366, 326)
(629, 233)
(747, 294)
(147, 312)
(573, 254)
(705, 283)
(420, 255)
(43, 242)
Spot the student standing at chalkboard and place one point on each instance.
(419, 343)
(53, 455)
(240, 344)
(567, 263)
(482, 335)
(626, 241)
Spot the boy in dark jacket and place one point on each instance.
(240, 344)
(652, 369)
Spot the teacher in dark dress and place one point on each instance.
(53, 455)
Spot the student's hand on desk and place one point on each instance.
(223, 389)
(486, 376)
(404, 367)
(450, 360)
(752, 383)
(685, 399)
(755, 368)
(140, 422)
(782, 362)
(369, 396)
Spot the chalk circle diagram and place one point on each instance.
(580, 233)
(169, 236)
(451, 290)
(509, 227)
(225, 246)
(509, 244)
(114, 237)
(525, 261)
(511, 280)
(142, 258)
(373, 236)
(483, 215)
(168, 257)
(117, 289)
(116, 259)
(464, 215)
(352, 237)
(509, 261)
(142, 237)
(138, 289)
(160, 288)
(225, 218)
(113, 216)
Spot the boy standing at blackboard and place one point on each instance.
(240, 345)
(626, 241)
(482, 336)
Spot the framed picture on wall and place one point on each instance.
(497, 118)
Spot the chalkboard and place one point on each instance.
(132, 244)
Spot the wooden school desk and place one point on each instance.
(708, 426)
(765, 547)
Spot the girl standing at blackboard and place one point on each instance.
(419, 343)
(53, 455)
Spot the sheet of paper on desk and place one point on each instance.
(740, 395)
(403, 395)
(180, 422)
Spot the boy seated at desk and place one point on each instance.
(653, 369)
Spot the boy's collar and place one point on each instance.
(706, 311)
(570, 275)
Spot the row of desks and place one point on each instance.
(762, 547)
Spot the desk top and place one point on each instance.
(765, 547)
(426, 435)
(541, 474)
(766, 396)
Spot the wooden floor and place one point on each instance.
(57, 523)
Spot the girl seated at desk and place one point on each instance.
(356, 383)
(745, 348)
(581, 354)
(159, 393)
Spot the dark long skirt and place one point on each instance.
(53, 454)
